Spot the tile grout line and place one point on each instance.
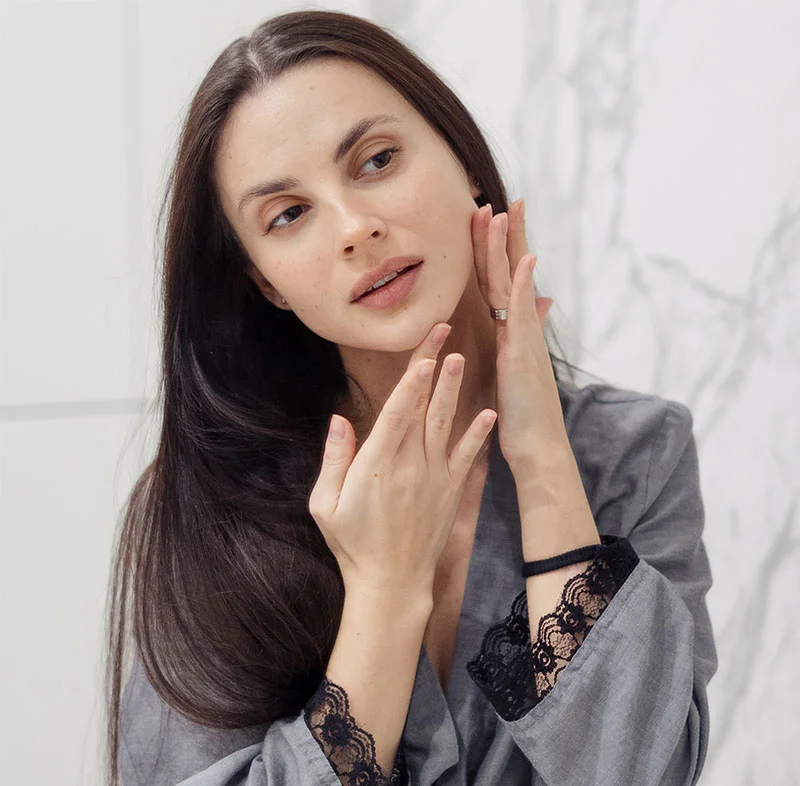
(64, 410)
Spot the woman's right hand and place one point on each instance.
(386, 512)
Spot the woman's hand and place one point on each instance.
(530, 420)
(386, 512)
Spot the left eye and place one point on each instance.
(389, 150)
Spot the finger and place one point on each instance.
(406, 403)
(463, 454)
(442, 409)
(499, 277)
(337, 458)
(415, 430)
(406, 406)
(517, 245)
(431, 345)
(428, 350)
(522, 301)
(480, 225)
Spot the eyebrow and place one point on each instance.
(349, 141)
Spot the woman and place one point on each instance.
(329, 599)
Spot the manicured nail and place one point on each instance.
(440, 334)
(336, 428)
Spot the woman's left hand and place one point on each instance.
(530, 423)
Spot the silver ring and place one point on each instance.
(499, 313)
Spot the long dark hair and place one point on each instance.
(220, 573)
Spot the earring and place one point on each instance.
(283, 301)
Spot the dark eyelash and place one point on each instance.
(272, 228)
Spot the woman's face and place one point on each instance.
(313, 239)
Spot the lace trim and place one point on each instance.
(349, 748)
(516, 674)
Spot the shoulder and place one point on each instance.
(627, 444)
(597, 412)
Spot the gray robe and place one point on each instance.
(630, 707)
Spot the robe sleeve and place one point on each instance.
(613, 690)
(320, 746)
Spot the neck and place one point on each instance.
(472, 335)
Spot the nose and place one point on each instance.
(357, 226)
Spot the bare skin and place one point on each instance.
(345, 218)
(348, 217)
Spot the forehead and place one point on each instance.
(303, 113)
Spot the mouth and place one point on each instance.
(391, 289)
(382, 275)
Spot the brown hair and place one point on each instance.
(220, 572)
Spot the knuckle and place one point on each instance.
(395, 421)
(406, 476)
(334, 458)
(439, 421)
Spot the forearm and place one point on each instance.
(374, 659)
(555, 517)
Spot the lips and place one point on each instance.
(393, 292)
(387, 268)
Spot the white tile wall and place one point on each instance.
(63, 484)
(67, 262)
(656, 144)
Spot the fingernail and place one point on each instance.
(440, 334)
(337, 428)
(522, 208)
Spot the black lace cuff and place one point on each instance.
(516, 674)
(349, 748)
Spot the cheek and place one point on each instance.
(293, 278)
(446, 199)
(434, 209)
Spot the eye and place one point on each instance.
(390, 150)
(274, 225)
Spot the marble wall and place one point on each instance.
(656, 146)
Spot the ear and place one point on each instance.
(266, 289)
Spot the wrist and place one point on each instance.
(547, 466)
(555, 514)
(412, 606)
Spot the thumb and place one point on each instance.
(339, 450)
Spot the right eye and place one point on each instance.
(274, 225)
